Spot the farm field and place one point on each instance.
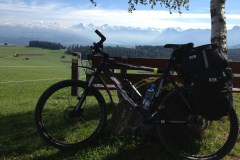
(23, 79)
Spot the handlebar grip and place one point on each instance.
(103, 38)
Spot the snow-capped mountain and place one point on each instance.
(116, 35)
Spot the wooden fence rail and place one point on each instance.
(158, 63)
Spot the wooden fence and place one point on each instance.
(151, 62)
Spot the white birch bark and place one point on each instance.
(218, 25)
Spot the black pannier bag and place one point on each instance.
(211, 80)
(202, 57)
(212, 96)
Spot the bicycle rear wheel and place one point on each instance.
(199, 138)
(59, 127)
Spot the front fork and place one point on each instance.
(78, 109)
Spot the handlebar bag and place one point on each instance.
(202, 57)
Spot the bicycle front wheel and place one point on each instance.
(58, 126)
(200, 138)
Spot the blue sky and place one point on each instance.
(64, 14)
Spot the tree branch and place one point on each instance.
(170, 4)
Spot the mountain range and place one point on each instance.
(116, 35)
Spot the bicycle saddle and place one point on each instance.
(179, 46)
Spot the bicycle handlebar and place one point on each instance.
(103, 38)
(96, 46)
(97, 49)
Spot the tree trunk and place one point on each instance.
(218, 25)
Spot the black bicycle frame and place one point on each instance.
(105, 66)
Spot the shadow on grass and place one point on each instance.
(130, 149)
(18, 134)
(141, 149)
(19, 139)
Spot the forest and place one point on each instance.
(140, 51)
(118, 51)
(46, 45)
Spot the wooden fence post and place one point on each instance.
(76, 58)
(88, 71)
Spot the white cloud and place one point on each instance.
(19, 12)
(233, 16)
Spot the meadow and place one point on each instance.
(23, 79)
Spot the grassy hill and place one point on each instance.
(32, 64)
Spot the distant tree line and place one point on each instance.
(46, 45)
(234, 54)
(140, 51)
(117, 51)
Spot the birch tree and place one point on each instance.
(218, 24)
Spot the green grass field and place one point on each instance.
(22, 82)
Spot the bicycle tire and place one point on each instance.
(189, 144)
(74, 132)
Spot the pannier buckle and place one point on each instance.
(212, 80)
